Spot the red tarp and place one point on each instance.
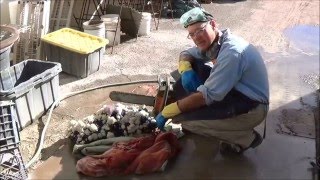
(140, 156)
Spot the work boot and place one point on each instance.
(257, 140)
(229, 148)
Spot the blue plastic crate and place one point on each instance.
(9, 134)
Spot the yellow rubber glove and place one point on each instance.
(171, 110)
(184, 66)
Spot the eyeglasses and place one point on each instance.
(198, 32)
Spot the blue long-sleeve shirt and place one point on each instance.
(238, 65)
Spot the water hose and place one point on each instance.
(43, 133)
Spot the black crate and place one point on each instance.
(9, 134)
(11, 166)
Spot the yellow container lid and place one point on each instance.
(75, 41)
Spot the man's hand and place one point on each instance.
(189, 79)
(169, 111)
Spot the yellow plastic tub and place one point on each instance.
(75, 41)
(79, 53)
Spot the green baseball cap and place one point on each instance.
(195, 15)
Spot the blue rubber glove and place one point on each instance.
(169, 111)
(161, 121)
(190, 81)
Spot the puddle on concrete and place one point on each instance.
(304, 38)
(293, 78)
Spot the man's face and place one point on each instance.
(202, 34)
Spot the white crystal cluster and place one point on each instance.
(111, 121)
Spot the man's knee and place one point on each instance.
(202, 70)
(240, 122)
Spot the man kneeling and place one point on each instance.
(223, 90)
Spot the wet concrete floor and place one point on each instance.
(278, 157)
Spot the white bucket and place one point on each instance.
(111, 21)
(145, 25)
(94, 27)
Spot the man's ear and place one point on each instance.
(213, 24)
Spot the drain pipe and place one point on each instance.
(35, 158)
